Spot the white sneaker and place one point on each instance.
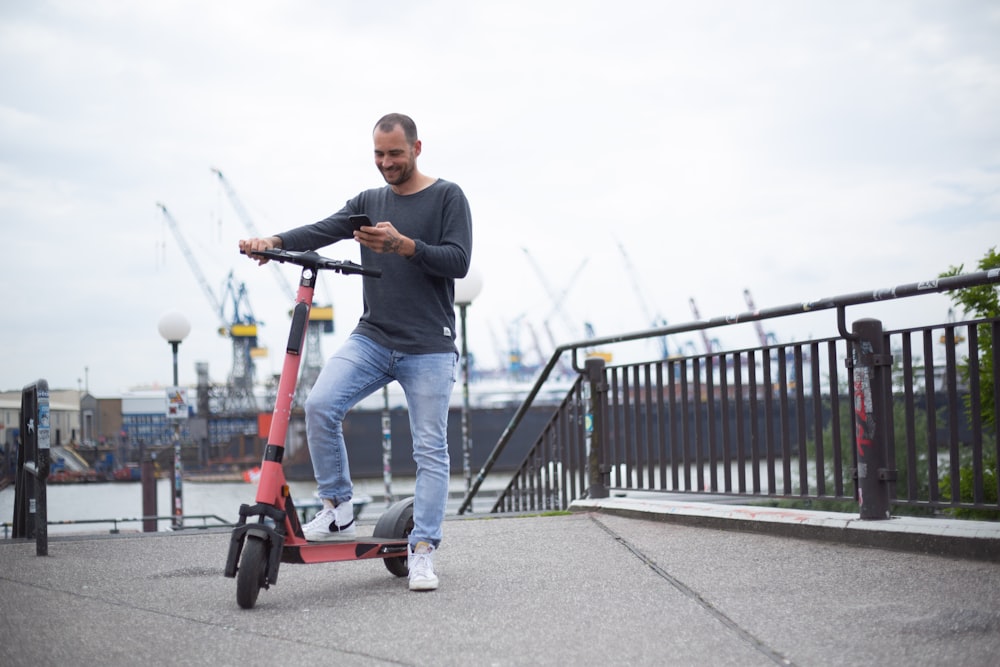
(421, 564)
(332, 524)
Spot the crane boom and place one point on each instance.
(242, 329)
(765, 338)
(704, 334)
(252, 229)
(658, 320)
(557, 306)
(193, 263)
(557, 298)
(320, 317)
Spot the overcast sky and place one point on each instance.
(800, 149)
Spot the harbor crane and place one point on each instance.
(516, 365)
(652, 321)
(958, 337)
(710, 343)
(320, 317)
(240, 326)
(766, 337)
(557, 298)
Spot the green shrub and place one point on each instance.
(966, 483)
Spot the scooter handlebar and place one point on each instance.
(311, 259)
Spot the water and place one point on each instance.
(123, 500)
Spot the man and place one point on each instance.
(421, 238)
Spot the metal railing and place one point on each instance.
(115, 522)
(866, 415)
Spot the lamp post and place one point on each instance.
(466, 289)
(174, 328)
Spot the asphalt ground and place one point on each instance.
(626, 581)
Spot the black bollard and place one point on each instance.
(149, 494)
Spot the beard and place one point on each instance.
(398, 175)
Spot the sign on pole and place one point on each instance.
(177, 403)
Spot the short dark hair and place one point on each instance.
(388, 123)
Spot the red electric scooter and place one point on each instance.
(268, 532)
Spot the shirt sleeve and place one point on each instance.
(450, 257)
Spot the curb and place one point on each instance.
(976, 540)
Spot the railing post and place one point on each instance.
(871, 369)
(31, 518)
(598, 474)
(148, 477)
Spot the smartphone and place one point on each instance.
(359, 221)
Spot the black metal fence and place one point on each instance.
(880, 418)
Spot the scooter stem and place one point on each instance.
(272, 475)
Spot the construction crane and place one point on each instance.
(503, 356)
(957, 337)
(766, 337)
(241, 211)
(653, 321)
(240, 327)
(709, 348)
(320, 317)
(558, 299)
(515, 359)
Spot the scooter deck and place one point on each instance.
(331, 552)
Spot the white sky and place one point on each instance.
(798, 148)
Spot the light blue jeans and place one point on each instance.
(360, 368)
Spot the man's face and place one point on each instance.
(395, 158)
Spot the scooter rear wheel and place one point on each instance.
(251, 573)
(396, 523)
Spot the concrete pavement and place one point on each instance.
(625, 581)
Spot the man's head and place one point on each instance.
(389, 121)
(396, 148)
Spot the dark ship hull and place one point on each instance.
(364, 436)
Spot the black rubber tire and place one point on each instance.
(251, 572)
(396, 523)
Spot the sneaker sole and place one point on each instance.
(424, 585)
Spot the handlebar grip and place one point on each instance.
(347, 267)
(270, 253)
(312, 260)
(368, 271)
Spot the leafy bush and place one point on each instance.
(966, 481)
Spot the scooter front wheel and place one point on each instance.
(251, 573)
(396, 523)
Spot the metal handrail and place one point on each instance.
(221, 523)
(841, 302)
(934, 286)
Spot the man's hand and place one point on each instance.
(252, 246)
(383, 238)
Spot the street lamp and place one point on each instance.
(174, 328)
(466, 289)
